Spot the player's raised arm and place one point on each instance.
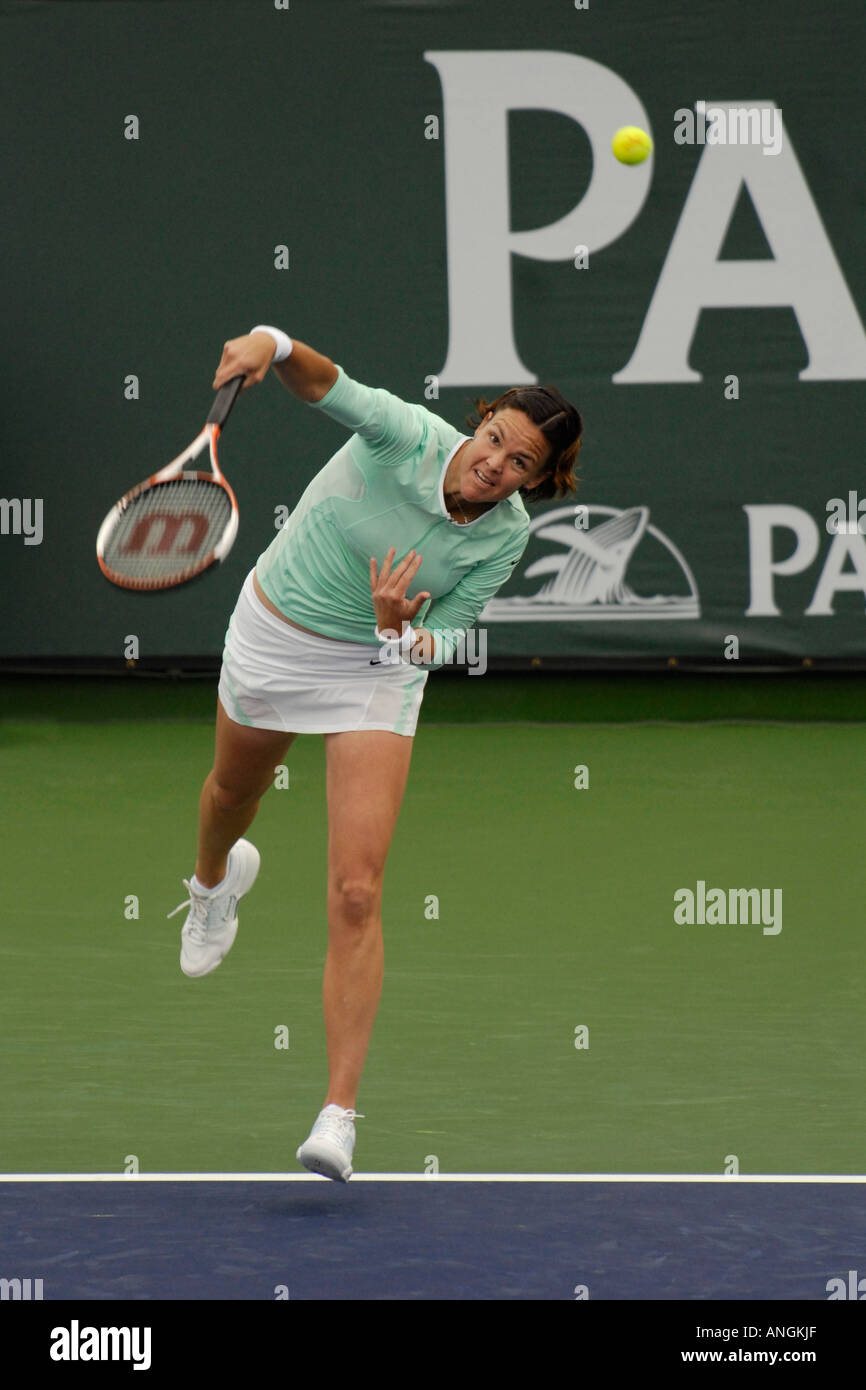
(383, 420)
(308, 374)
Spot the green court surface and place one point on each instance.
(518, 909)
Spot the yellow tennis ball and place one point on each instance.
(631, 145)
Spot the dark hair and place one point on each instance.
(558, 421)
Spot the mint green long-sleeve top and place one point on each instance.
(384, 488)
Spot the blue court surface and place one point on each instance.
(460, 1237)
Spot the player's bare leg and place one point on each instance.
(366, 778)
(227, 864)
(245, 760)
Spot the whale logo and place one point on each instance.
(588, 572)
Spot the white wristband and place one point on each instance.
(406, 642)
(282, 340)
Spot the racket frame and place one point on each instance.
(206, 439)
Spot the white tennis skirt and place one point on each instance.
(274, 676)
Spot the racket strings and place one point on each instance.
(168, 529)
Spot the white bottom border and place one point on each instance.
(439, 1177)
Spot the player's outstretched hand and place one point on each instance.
(388, 588)
(249, 356)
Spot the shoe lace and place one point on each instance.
(197, 905)
(337, 1124)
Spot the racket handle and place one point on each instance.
(224, 400)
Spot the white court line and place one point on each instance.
(731, 1179)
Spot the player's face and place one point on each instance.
(507, 452)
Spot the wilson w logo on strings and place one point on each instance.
(167, 538)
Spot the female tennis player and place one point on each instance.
(334, 634)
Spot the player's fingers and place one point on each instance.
(407, 564)
(228, 364)
(219, 375)
(386, 566)
(250, 357)
(406, 573)
(252, 375)
(417, 602)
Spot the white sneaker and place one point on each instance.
(211, 926)
(332, 1140)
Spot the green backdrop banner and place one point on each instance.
(426, 193)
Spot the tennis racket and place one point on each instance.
(177, 523)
